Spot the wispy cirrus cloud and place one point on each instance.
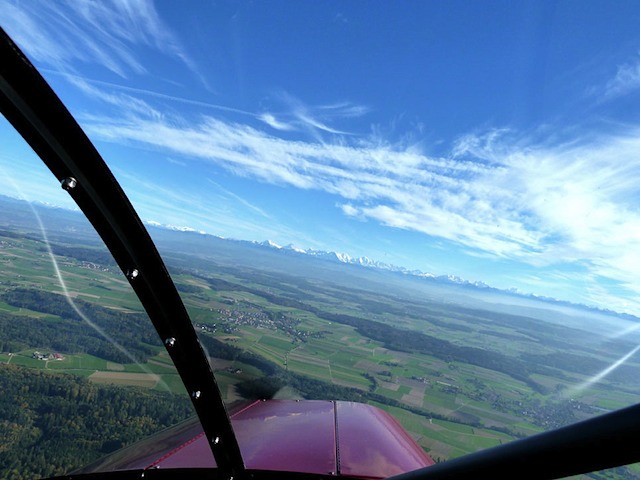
(312, 119)
(63, 33)
(581, 199)
(626, 80)
(237, 198)
(273, 122)
(623, 82)
(495, 194)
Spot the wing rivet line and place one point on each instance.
(170, 342)
(68, 183)
(132, 274)
(196, 394)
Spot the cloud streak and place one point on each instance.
(92, 32)
(315, 120)
(626, 80)
(241, 200)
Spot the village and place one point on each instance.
(235, 318)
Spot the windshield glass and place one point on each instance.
(427, 208)
(82, 370)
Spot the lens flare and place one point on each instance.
(69, 299)
(596, 378)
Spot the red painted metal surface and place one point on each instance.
(373, 444)
(288, 435)
(195, 453)
(309, 436)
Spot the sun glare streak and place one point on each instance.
(626, 331)
(86, 319)
(69, 298)
(596, 378)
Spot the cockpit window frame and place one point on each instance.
(36, 112)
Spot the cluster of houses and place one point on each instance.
(47, 356)
(259, 319)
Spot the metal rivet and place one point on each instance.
(216, 440)
(68, 183)
(170, 342)
(132, 274)
(196, 394)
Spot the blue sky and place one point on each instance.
(497, 141)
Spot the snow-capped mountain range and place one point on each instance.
(451, 279)
(331, 256)
(369, 263)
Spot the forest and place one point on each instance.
(70, 333)
(53, 423)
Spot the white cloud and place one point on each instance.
(626, 80)
(270, 120)
(62, 33)
(313, 119)
(349, 210)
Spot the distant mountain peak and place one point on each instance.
(292, 247)
(269, 243)
(177, 228)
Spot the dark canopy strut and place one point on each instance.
(39, 116)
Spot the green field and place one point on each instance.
(451, 404)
